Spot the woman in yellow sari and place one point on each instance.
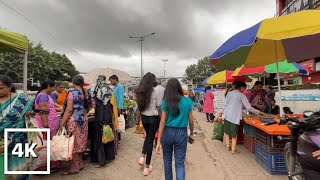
(59, 96)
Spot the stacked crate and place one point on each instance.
(269, 152)
(249, 136)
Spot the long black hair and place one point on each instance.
(79, 81)
(144, 91)
(44, 85)
(172, 96)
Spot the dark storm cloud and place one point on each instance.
(183, 27)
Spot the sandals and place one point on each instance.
(235, 152)
(146, 171)
(100, 165)
(228, 148)
(68, 173)
(141, 161)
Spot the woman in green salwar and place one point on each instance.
(13, 107)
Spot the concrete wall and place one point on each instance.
(300, 100)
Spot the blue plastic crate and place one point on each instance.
(249, 130)
(270, 142)
(274, 163)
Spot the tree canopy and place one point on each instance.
(42, 65)
(200, 71)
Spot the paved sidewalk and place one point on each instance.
(240, 166)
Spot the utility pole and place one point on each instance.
(141, 39)
(164, 67)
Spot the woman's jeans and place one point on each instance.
(174, 139)
(151, 125)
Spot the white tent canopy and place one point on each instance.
(91, 76)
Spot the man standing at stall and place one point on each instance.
(119, 94)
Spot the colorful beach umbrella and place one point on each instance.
(292, 37)
(284, 67)
(223, 77)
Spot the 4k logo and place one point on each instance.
(33, 151)
(28, 150)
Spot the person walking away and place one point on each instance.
(75, 120)
(232, 111)
(119, 94)
(149, 102)
(173, 132)
(43, 101)
(59, 96)
(159, 88)
(257, 97)
(275, 108)
(192, 95)
(106, 113)
(13, 108)
(208, 104)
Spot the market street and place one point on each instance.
(199, 163)
(205, 159)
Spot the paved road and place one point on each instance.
(206, 159)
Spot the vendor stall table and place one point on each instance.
(265, 144)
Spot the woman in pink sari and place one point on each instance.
(76, 122)
(43, 101)
(208, 104)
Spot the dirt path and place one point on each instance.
(199, 164)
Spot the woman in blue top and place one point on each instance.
(173, 132)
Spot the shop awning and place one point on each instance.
(12, 42)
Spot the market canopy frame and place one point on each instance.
(16, 43)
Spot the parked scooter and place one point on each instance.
(304, 140)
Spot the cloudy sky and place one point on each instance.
(95, 33)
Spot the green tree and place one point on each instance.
(200, 71)
(42, 65)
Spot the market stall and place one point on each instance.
(17, 43)
(263, 140)
(130, 112)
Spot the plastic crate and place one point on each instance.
(270, 142)
(274, 163)
(249, 130)
(249, 143)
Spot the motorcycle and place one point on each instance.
(304, 140)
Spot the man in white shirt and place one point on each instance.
(159, 88)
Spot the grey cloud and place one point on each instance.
(103, 26)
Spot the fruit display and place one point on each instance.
(128, 104)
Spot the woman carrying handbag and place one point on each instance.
(76, 122)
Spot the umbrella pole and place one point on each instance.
(25, 73)
(264, 78)
(278, 76)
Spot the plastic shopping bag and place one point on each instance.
(107, 134)
(39, 163)
(139, 129)
(218, 131)
(122, 124)
(62, 146)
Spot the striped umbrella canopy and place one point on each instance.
(284, 67)
(294, 37)
(223, 77)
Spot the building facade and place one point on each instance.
(285, 7)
